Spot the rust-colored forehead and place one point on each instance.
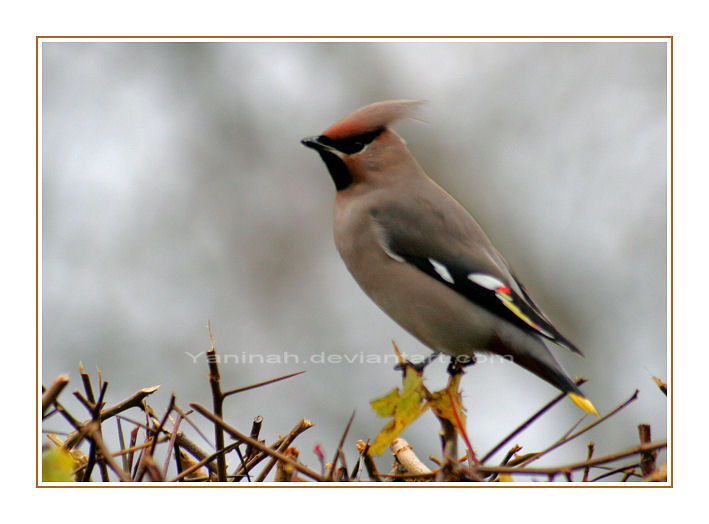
(372, 117)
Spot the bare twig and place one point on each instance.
(185, 415)
(260, 384)
(122, 443)
(152, 468)
(550, 471)
(572, 428)
(506, 460)
(135, 400)
(527, 423)
(588, 457)
(195, 467)
(627, 470)
(87, 384)
(156, 431)
(96, 414)
(93, 430)
(260, 455)
(269, 465)
(647, 458)
(285, 443)
(463, 432)
(49, 396)
(133, 440)
(628, 474)
(255, 430)
(577, 465)
(449, 444)
(217, 404)
(368, 461)
(584, 430)
(138, 447)
(184, 442)
(96, 439)
(338, 451)
(172, 446)
(255, 443)
(660, 384)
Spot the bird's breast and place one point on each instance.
(436, 315)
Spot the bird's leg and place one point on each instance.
(420, 366)
(457, 364)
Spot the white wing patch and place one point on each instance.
(389, 252)
(381, 237)
(442, 271)
(486, 281)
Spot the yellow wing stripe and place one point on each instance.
(508, 302)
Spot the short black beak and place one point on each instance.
(313, 142)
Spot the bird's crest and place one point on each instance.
(372, 117)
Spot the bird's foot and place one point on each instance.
(456, 365)
(419, 366)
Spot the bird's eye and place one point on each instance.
(353, 145)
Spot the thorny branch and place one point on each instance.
(251, 451)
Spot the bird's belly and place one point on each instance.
(435, 314)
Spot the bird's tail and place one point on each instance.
(583, 403)
(533, 354)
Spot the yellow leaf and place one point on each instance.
(57, 466)
(385, 406)
(441, 404)
(404, 407)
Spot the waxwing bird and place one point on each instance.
(422, 258)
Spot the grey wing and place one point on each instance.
(452, 248)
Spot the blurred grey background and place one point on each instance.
(175, 190)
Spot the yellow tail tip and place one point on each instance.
(583, 403)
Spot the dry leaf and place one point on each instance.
(404, 407)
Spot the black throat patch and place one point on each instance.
(338, 170)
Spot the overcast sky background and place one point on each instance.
(175, 190)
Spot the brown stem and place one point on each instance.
(338, 451)
(135, 400)
(587, 469)
(584, 430)
(217, 405)
(255, 443)
(96, 439)
(49, 396)
(260, 384)
(370, 465)
(552, 471)
(622, 469)
(260, 455)
(527, 423)
(86, 380)
(269, 465)
(577, 465)
(171, 447)
(204, 461)
(156, 431)
(255, 430)
(647, 458)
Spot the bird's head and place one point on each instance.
(362, 144)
